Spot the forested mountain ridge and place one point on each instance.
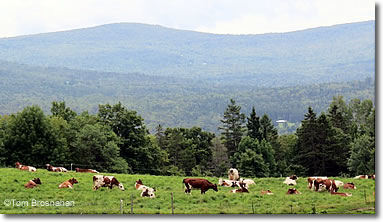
(169, 101)
(319, 55)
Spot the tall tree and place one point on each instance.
(307, 153)
(362, 160)
(232, 129)
(60, 109)
(253, 125)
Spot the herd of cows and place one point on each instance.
(316, 184)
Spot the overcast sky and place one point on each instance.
(20, 17)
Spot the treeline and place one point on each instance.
(340, 141)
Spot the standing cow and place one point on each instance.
(233, 174)
(197, 183)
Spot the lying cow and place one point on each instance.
(293, 191)
(349, 186)
(247, 182)
(233, 174)
(242, 189)
(339, 183)
(68, 184)
(146, 191)
(268, 192)
(32, 183)
(290, 181)
(79, 170)
(106, 181)
(55, 169)
(311, 180)
(325, 184)
(371, 176)
(22, 167)
(197, 183)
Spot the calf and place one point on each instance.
(79, 170)
(349, 186)
(32, 183)
(233, 174)
(293, 191)
(27, 168)
(68, 184)
(146, 191)
(55, 169)
(106, 181)
(268, 192)
(197, 183)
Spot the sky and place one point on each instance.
(22, 17)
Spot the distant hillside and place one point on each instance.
(169, 101)
(319, 55)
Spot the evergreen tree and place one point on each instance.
(362, 159)
(253, 125)
(232, 129)
(307, 153)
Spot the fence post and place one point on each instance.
(365, 198)
(121, 204)
(252, 206)
(71, 166)
(172, 202)
(131, 204)
(291, 209)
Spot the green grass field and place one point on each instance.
(105, 201)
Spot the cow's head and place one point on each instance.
(73, 181)
(121, 187)
(294, 177)
(37, 180)
(215, 187)
(17, 164)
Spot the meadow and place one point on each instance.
(15, 199)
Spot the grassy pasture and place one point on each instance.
(105, 201)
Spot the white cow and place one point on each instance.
(289, 181)
(233, 174)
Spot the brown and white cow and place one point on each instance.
(228, 183)
(291, 180)
(325, 184)
(371, 176)
(293, 191)
(341, 194)
(146, 191)
(268, 192)
(349, 186)
(311, 180)
(233, 174)
(55, 169)
(197, 183)
(32, 183)
(247, 182)
(106, 181)
(23, 167)
(68, 184)
(243, 189)
(79, 170)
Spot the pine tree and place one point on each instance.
(232, 129)
(253, 125)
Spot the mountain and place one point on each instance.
(320, 55)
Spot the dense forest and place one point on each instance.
(169, 101)
(340, 141)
